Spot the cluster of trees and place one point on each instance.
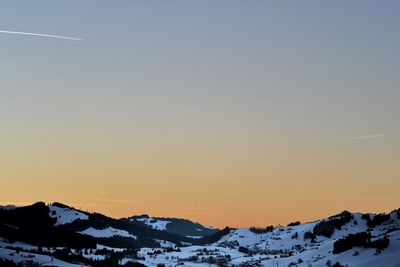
(350, 241)
(112, 258)
(376, 220)
(362, 239)
(327, 228)
(379, 244)
(294, 223)
(324, 228)
(310, 235)
(219, 260)
(260, 230)
(215, 237)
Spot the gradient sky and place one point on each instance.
(225, 112)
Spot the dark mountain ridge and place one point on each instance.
(35, 225)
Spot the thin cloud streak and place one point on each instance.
(341, 140)
(42, 35)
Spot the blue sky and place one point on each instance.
(189, 87)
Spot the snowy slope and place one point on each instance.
(157, 224)
(66, 215)
(107, 232)
(280, 247)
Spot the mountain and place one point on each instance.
(176, 226)
(59, 235)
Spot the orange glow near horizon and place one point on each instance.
(260, 217)
(237, 190)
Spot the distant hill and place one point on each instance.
(60, 235)
(182, 227)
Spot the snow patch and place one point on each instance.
(107, 232)
(66, 215)
(155, 223)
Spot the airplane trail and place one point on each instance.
(41, 35)
(341, 140)
(360, 137)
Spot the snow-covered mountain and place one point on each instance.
(343, 240)
(58, 235)
(177, 226)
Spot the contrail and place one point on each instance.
(359, 137)
(341, 140)
(42, 35)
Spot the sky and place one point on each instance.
(240, 113)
